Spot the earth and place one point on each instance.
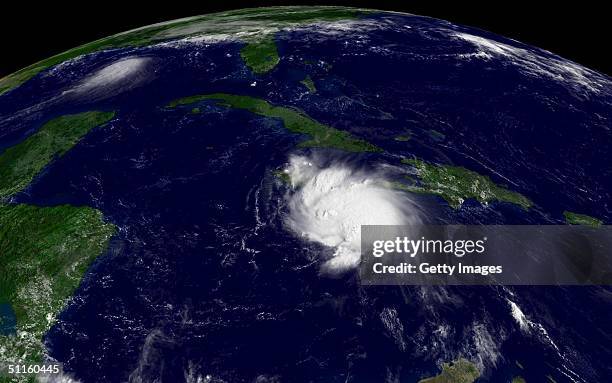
(180, 203)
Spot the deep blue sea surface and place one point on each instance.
(203, 277)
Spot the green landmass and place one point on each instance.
(518, 379)
(195, 111)
(22, 162)
(138, 37)
(459, 371)
(14, 80)
(309, 84)
(435, 135)
(301, 14)
(456, 184)
(261, 54)
(294, 120)
(403, 138)
(581, 219)
(44, 252)
(283, 176)
(256, 23)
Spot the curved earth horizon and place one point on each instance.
(182, 202)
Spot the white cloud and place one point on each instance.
(117, 77)
(329, 204)
(537, 63)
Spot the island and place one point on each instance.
(309, 84)
(572, 218)
(294, 120)
(456, 184)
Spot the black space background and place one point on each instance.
(579, 31)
